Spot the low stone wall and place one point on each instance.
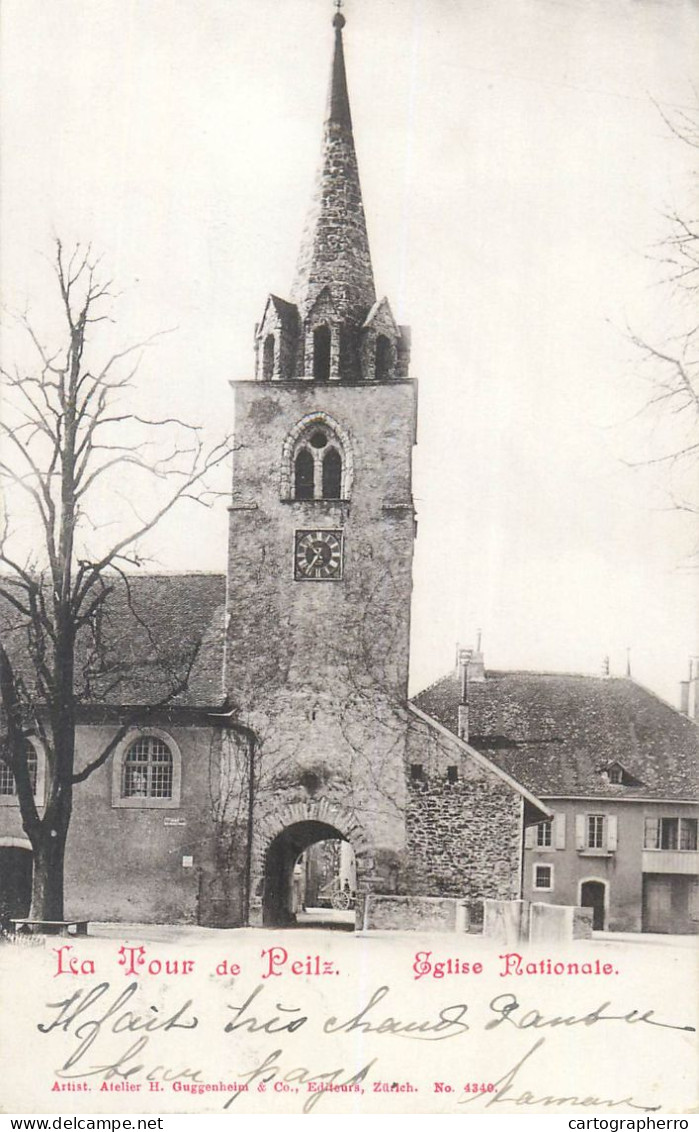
(550, 923)
(520, 921)
(506, 921)
(410, 913)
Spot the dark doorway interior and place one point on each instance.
(592, 896)
(321, 353)
(283, 903)
(15, 881)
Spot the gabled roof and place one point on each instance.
(323, 305)
(535, 811)
(558, 734)
(161, 638)
(381, 312)
(286, 312)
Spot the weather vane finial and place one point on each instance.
(338, 19)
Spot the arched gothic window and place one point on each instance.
(318, 466)
(317, 460)
(383, 358)
(332, 474)
(147, 771)
(321, 353)
(304, 475)
(268, 358)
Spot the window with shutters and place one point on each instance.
(595, 838)
(544, 834)
(547, 836)
(596, 833)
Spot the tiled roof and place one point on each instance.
(557, 733)
(161, 639)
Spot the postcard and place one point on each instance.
(349, 632)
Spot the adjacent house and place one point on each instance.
(618, 767)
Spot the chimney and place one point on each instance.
(476, 669)
(464, 659)
(684, 697)
(693, 691)
(605, 666)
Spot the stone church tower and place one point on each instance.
(321, 532)
(322, 527)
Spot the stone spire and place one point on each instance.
(335, 246)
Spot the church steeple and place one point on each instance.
(334, 330)
(338, 96)
(335, 245)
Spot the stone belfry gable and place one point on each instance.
(335, 245)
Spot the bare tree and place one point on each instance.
(672, 366)
(66, 433)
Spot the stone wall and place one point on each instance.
(463, 823)
(409, 913)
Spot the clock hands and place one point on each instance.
(318, 555)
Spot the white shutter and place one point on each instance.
(559, 831)
(580, 831)
(530, 837)
(611, 832)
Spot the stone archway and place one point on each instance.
(279, 906)
(283, 836)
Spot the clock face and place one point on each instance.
(318, 556)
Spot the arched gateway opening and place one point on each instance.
(309, 877)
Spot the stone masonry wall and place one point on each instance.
(464, 836)
(463, 839)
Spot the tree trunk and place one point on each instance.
(47, 879)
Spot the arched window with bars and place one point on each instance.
(148, 769)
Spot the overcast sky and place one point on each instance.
(516, 170)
